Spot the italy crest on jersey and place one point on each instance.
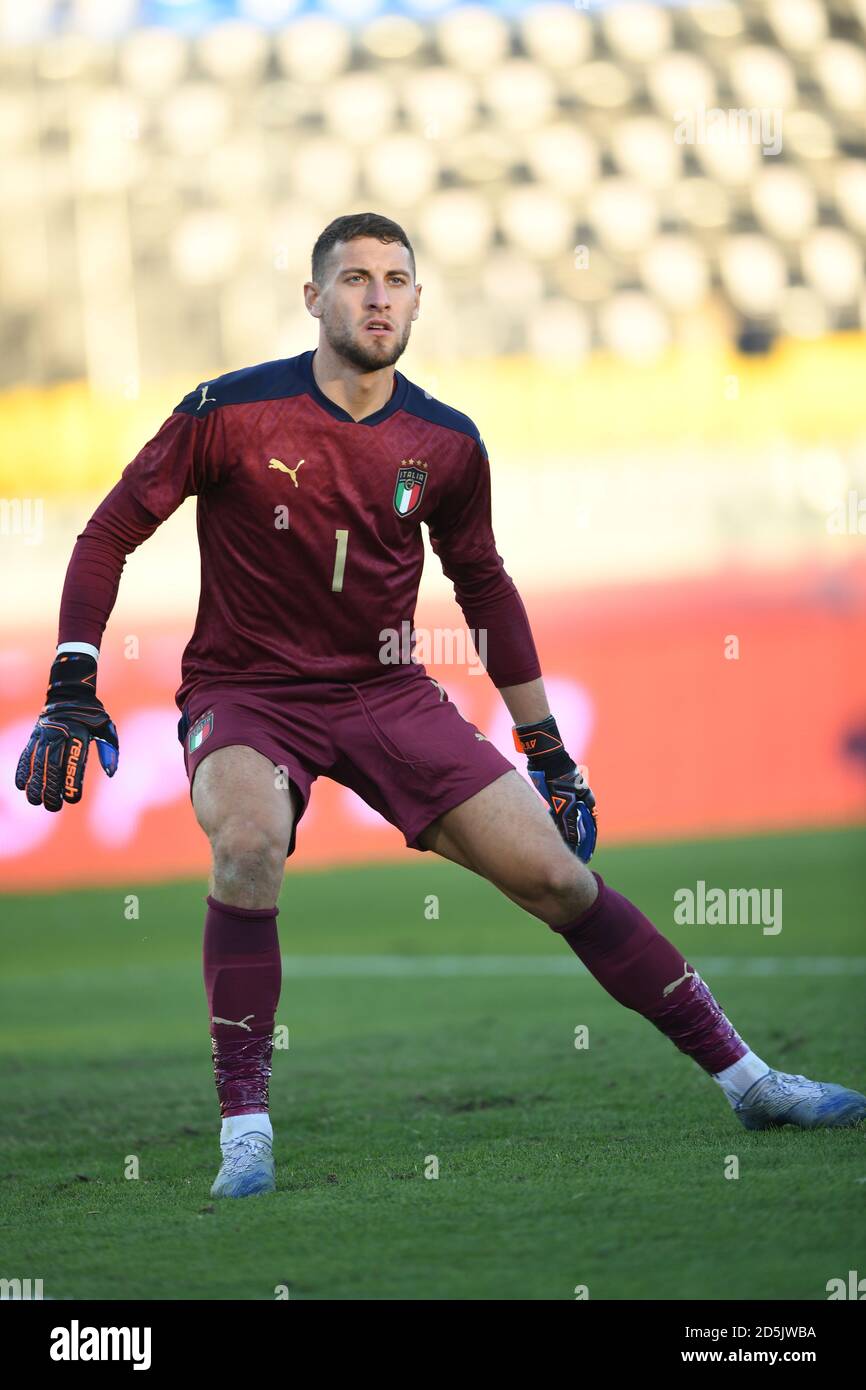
(411, 481)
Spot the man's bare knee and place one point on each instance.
(248, 819)
(248, 863)
(557, 889)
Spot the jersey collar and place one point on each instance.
(398, 395)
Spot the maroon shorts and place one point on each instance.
(397, 740)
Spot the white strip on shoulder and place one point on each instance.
(79, 647)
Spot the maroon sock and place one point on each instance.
(642, 970)
(242, 978)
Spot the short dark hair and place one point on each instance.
(356, 224)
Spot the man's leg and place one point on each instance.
(248, 819)
(505, 833)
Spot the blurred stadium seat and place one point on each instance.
(533, 111)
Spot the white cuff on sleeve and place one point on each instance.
(79, 647)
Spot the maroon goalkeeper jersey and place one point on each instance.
(309, 526)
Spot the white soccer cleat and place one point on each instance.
(781, 1099)
(247, 1167)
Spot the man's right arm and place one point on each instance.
(119, 524)
(177, 462)
(174, 465)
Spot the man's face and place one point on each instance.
(368, 282)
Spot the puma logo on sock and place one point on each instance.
(232, 1024)
(689, 975)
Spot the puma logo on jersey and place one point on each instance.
(205, 398)
(689, 975)
(232, 1024)
(292, 472)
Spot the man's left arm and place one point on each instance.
(553, 771)
(461, 535)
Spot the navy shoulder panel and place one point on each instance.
(421, 403)
(267, 381)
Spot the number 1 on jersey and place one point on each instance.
(342, 539)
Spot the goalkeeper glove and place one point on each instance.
(51, 768)
(556, 777)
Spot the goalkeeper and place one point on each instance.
(284, 672)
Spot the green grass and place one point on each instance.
(557, 1167)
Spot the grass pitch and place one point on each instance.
(449, 1038)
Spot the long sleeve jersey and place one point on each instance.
(309, 530)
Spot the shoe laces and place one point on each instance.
(242, 1151)
(789, 1083)
(779, 1087)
